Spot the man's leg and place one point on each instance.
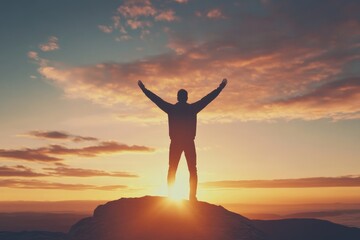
(190, 154)
(174, 158)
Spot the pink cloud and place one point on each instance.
(51, 45)
(198, 14)
(124, 37)
(117, 24)
(137, 8)
(137, 14)
(167, 15)
(33, 55)
(105, 29)
(215, 13)
(135, 24)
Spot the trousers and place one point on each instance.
(176, 149)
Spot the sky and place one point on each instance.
(75, 125)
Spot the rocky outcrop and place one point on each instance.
(158, 218)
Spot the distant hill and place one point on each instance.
(33, 235)
(30, 221)
(158, 218)
(306, 229)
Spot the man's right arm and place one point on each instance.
(163, 105)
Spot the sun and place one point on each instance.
(180, 189)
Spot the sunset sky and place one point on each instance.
(75, 125)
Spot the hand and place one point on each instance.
(223, 83)
(141, 85)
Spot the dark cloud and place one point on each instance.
(35, 184)
(63, 171)
(329, 93)
(316, 182)
(44, 154)
(29, 154)
(19, 171)
(101, 148)
(80, 172)
(60, 136)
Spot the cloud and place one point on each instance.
(29, 154)
(332, 99)
(51, 45)
(46, 154)
(215, 14)
(80, 172)
(59, 135)
(101, 148)
(274, 61)
(132, 15)
(36, 184)
(106, 29)
(18, 171)
(315, 182)
(167, 15)
(62, 171)
(135, 24)
(33, 55)
(137, 8)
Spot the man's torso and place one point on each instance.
(182, 122)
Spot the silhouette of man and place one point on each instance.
(182, 130)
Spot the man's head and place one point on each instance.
(182, 95)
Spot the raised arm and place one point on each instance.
(202, 103)
(163, 105)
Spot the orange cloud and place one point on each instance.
(256, 83)
(316, 182)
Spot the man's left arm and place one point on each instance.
(202, 103)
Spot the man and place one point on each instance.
(182, 130)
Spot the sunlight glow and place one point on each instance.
(180, 189)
